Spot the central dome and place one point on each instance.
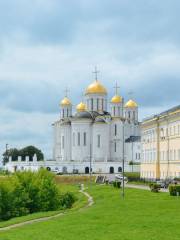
(116, 99)
(96, 87)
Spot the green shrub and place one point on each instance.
(29, 192)
(132, 176)
(116, 184)
(154, 187)
(6, 199)
(67, 200)
(174, 190)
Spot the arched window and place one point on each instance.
(79, 139)
(91, 104)
(73, 139)
(115, 129)
(97, 104)
(114, 110)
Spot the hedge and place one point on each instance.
(174, 190)
(154, 187)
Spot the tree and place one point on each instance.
(30, 151)
(14, 152)
(27, 151)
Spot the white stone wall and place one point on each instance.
(101, 153)
(81, 152)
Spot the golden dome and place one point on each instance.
(96, 87)
(116, 99)
(65, 102)
(131, 104)
(81, 107)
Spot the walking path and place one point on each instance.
(90, 203)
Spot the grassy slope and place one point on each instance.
(81, 201)
(142, 215)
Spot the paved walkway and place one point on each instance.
(90, 203)
(144, 187)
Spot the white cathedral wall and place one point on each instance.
(81, 153)
(116, 155)
(65, 142)
(101, 153)
(57, 141)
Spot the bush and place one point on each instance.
(6, 199)
(133, 177)
(174, 190)
(154, 187)
(67, 200)
(117, 184)
(29, 192)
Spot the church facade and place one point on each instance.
(93, 137)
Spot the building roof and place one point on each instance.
(163, 114)
(133, 139)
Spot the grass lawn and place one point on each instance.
(141, 215)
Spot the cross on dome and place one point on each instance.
(96, 73)
(66, 91)
(116, 88)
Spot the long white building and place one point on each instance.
(93, 136)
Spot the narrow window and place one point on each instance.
(115, 147)
(63, 113)
(62, 142)
(98, 141)
(102, 104)
(91, 104)
(114, 111)
(97, 104)
(73, 139)
(129, 114)
(115, 129)
(84, 138)
(67, 112)
(79, 139)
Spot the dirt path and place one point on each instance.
(90, 203)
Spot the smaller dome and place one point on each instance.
(65, 102)
(131, 104)
(116, 99)
(81, 107)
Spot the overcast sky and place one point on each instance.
(48, 45)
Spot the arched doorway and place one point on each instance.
(64, 169)
(86, 170)
(48, 168)
(111, 170)
(119, 169)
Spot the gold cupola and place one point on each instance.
(81, 107)
(116, 99)
(65, 102)
(131, 104)
(96, 87)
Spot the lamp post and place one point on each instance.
(90, 163)
(6, 154)
(123, 121)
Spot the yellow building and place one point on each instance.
(161, 145)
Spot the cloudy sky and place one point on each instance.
(48, 45)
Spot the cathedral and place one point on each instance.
(98, 134)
